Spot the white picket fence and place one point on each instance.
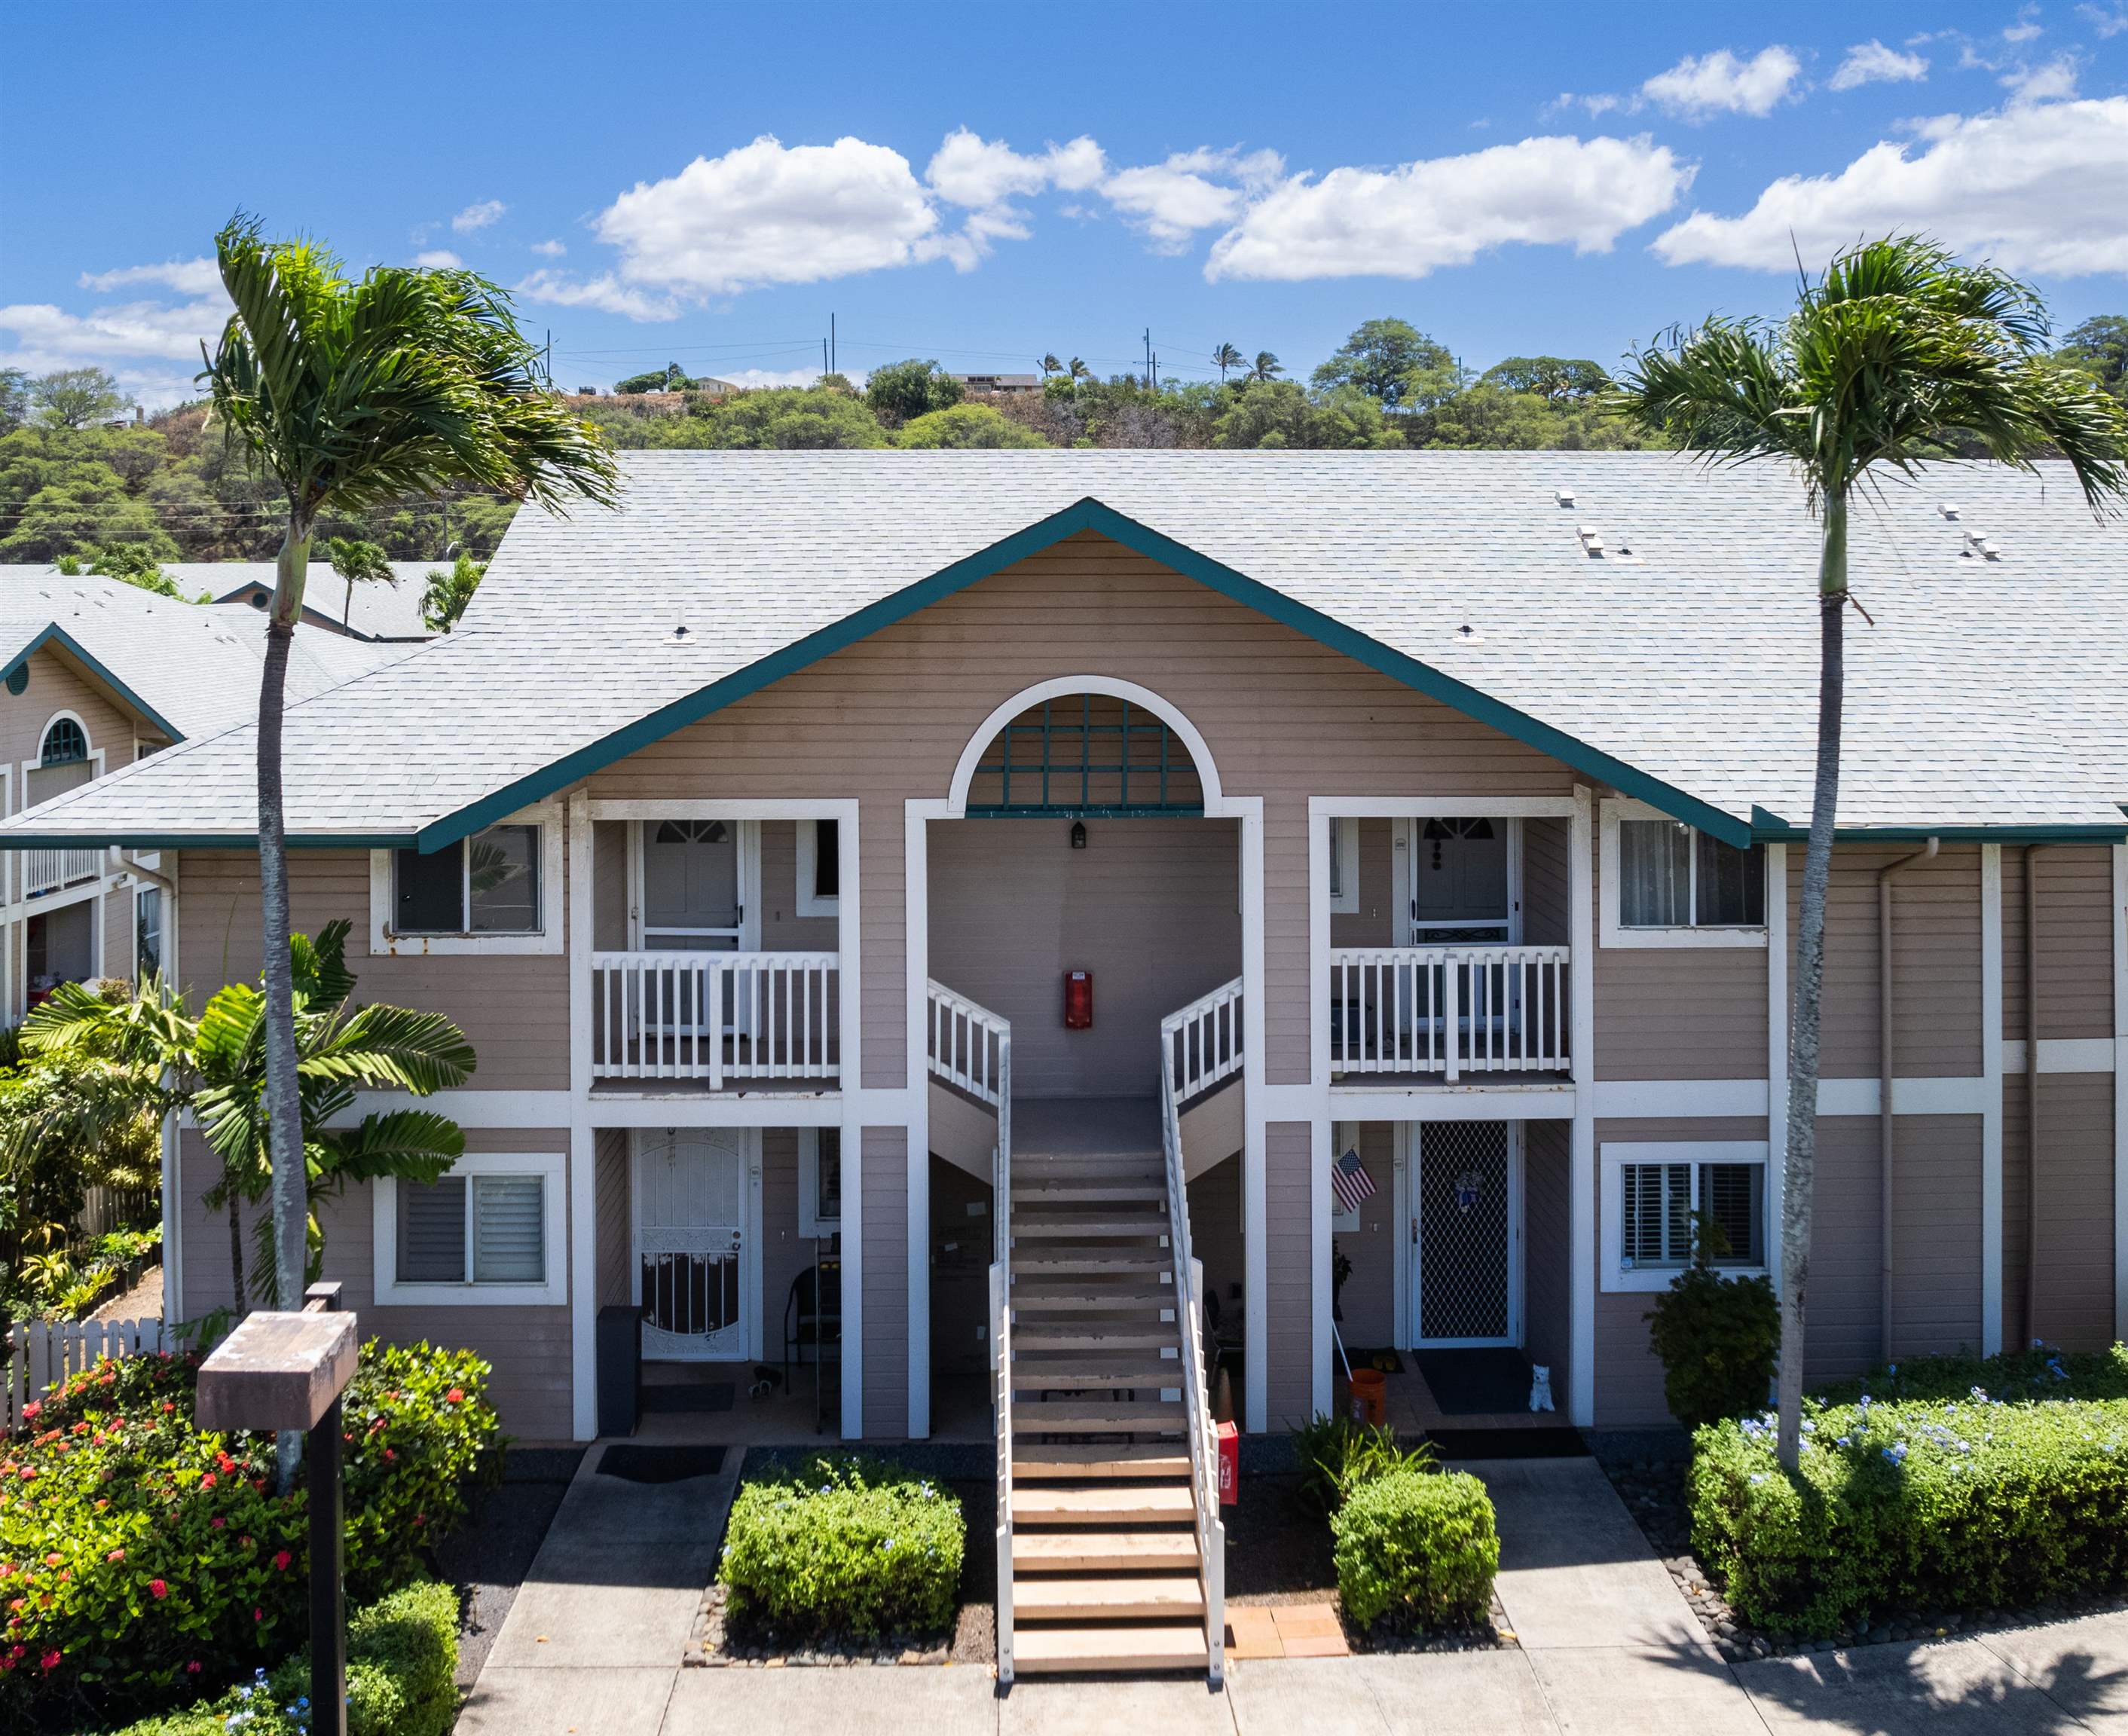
(42, 1353)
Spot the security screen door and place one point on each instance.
(693, 1266)
(1467, 1217)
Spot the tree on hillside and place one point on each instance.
(902, 391)
(2100, 346)
(77, 397)
(1078, 370)
(1226, 355)
(1265, 366)
(1049, 365)
(1392, 361)
(671, 377)
(1895, 355)
(14, 398)
(357, 563)
(1486, 416)
(1267, 414)
(965, 425)
(349, 394)
(1555, 379)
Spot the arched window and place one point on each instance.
(66, 743)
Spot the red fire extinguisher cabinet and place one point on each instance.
(1078, 1000)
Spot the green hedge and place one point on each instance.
(142, 1561)
(2002, 1496)
(402, 1656)
(1417, 1548)
(843, 1544)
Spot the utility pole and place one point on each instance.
(834, 354)
(825, 368)
(1148, 358)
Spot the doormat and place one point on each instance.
(1538, 1443)
(1388, 1361)
(634, 1463)
(711, 1395)
(1476, 1382)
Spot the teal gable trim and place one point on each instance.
(201, 841)
(57, 635)
(1770, 829)
(1085, 514)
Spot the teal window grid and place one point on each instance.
(1057, 780)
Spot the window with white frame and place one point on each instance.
(487, 1230)
(820, 868)
(819, 1181)
(148, 933)
(1669, 883)
(1655, 1194)
(1344, 867)
(497, 891)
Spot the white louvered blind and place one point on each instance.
(1656, 1224)
(509, 1234)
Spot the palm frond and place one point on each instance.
(394, 1047)
(414, 1145)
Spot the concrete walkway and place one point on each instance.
(592, 1644)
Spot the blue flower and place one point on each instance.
(1845, 1440)
(1897, 1453)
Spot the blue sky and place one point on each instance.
(982, 183)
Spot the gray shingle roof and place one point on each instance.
(380, 611)
(1987, 693)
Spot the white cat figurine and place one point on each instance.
(1539, 1388)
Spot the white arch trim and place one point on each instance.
(964, 773)
(64, 716)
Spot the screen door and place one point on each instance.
(1467, 1217)
(692, 1263)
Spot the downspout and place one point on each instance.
(2032, 1092)
(1884, 1084)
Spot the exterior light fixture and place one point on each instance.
(1078, 834)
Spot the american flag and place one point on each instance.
(1350, 1182)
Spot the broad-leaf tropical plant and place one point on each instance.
(148, 1052)
(1896, 356)
(347, 394)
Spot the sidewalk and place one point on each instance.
(592, 1648)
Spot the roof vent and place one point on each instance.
(681, 631)
(1592, 541)
(1978, 544)
(1949, 509)
(1564, 496)
(1466, 634)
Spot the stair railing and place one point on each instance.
(1205, 1037)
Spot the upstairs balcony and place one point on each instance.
(1444, 1012)
(53, 870)
(717, 1020)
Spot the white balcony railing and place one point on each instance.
(1204, 1040)
(720, 1018)
(49, 870)
(1449, 1010)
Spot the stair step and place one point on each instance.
(1040, 1191)
(1057, 1650)
(1111, 1503)
(1089, 1340)
(1097, 1416)
(1037, 1463)
(1032, 1374)
(1139, 1303)
(1042, 1598)
(1091, 1262)
(1101, 1551)
(1048, 1225)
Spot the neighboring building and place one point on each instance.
(1442, 828)
(94, 675)
(379, 611)
(1001, 384)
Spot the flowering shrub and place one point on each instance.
(2000, 1495)
(142, 1561)
(851, 1544)
(1416, 1549)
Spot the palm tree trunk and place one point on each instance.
(1799, 1182)
(284, 1100)
(235, 1243)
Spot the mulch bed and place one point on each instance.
(487, 1557)
(1653, 1491)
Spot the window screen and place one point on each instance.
(432, 1231)
(430, 891)
(503, 887)
(1654, 874)
(827, 859)
(1657, 1207)
(509, 1230)
(1730, 891)
(1733, 1197)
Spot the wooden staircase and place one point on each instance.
(1105, 1573)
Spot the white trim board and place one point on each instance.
(822, 1109)
(2063, 1055)
(1420, 1104)
(2120, 1091)
(1991, 1113)
(1648, 1099)
(1581, 1160)
(1061, 686)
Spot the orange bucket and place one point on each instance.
(1369, 1396)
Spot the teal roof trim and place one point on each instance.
(1085, 514)
(212, 840)
(1770, 829)
(58, 635)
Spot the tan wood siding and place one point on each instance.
(514, 1009)
(2076, 941)
(1369, 1297)
(1547, 886)
(610, 888)
(1215, 1237)
(613, 1207)
(784, 1252)
(2076, 1210)
(1547, 1249)
(1152, 907)
(1374, 923)
(782, 929)
(1289, 1301)
(885, 1280)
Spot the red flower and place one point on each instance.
(207, 1481)
(218, 1522)
(193, 1669)
(281, 1560)
(51, 1660)
(32, 1411)
(258, 1615)
(390, 1454)
(52, 1560)
(116, 1555)
(157, 1590)
(456, 1396)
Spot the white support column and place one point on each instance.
(1991, 1109)
(1256, 1217)
(583, 1189)
(916, 928)
(1320, 1353)
(1581, 1217)
(1777, 1044)
(2121, 1092)
(849, 935)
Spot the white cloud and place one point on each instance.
(763, 213)
(1872, 63)
(128, 339)
(2026, 27)
(548, 250)
(188, 276)
(2051, 81)
(2019, 186)
(1170, 201)
(1701, 85)
(1406, 222)
(438, 258)
(756, 379)
(605, 293)
(478, 216)
(2104, 24)
(984, 176)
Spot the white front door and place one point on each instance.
(1466, 1278)
(695, 1219)
(694, 889)
(1460, 878)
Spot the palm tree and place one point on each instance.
(1049, 364)
(1265, 366)
(1897, 355)
(349, 394)
(1078, 370)
(147, 1052)
(1226, 355)
(357, 563)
